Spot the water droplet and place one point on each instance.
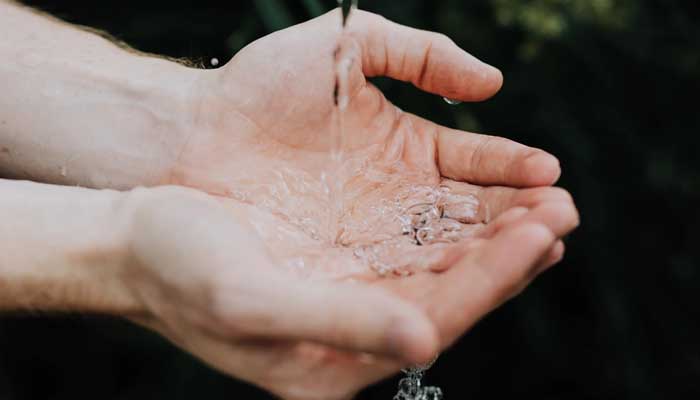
(409, 386)
(214, 62)
(452, 102)
(431, 393)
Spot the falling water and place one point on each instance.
(422, 223)
(333, 180)
(411, 387)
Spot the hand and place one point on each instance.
(263, 138)
(211, 286)
(272, 107)
(266, 123)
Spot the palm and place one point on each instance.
(286, 122)
(454, 299)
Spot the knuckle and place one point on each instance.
(480, 153)
(444, 39)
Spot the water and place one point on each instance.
(368, 215)
(411, 387)
(424, 219)
(431, 218)
(346, 7)
(335, 177)
(452, 102)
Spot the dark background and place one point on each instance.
(609, 86)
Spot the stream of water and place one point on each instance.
(432, 217)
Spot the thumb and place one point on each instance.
(431, 61)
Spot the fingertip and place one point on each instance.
(541, 169)
(481, 84)
(569, 216)
(538, 235)
(494, 78)
(414, 340)
(561, 217)
(554, 257)
(557, 253)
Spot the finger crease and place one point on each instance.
(424, 66)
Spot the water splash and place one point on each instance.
(411, 388)
(427, 217)
(452, 102)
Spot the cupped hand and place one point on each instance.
(296, 311)
(212, 287)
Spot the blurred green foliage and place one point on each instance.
(609, 86)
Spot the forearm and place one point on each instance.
(63, 249)
(77, 109)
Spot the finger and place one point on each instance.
(561, 219)
(486, 278)
(555, 255)
(431, 61)
(346, 316)
(456, 251)
(503, 221)
(489, 160)
(500, 199)
(496, 200)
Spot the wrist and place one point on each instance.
(148, 241)
(166, 103)
(62, 249)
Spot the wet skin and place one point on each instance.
(263, 140)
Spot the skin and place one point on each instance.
(203, 269)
